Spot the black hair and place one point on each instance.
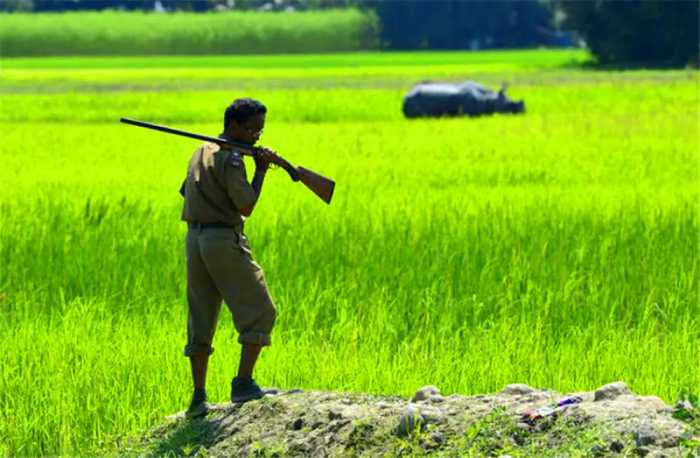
(242, 110)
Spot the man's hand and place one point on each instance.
(264, 157)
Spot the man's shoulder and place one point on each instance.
(229, 157)
(212, 152)
(218, 157)
(235, 158)
(209, 148)
(204, 150)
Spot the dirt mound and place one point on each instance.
(518, 421)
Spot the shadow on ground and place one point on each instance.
(186, 437)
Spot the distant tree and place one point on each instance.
(458, 24)
(662, 32)
(139, 5)
(76, 5)
(175, 5)
(16, 5)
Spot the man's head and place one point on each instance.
(244, 120)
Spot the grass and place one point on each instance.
(558, 249)
(135, 33)
(553, 58)
(360, 70)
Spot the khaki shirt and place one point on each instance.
(216, 186)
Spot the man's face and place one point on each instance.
(250, 131)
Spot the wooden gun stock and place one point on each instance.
(318, 184)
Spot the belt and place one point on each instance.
(216, 225)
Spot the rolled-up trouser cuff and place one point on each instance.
(198, 349)
(255, 338)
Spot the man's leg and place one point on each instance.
(242, 284)
(198, 362)
(249, 355)
(243, 387)
(198, 406)
(204, 302)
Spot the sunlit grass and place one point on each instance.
(100, 33)
(558, 249)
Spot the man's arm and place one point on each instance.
(263, 158)
(257, 184)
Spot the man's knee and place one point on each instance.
(198, 349)
(259, 332)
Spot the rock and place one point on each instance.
(660, 454)
(597, 450)
(425, 392)
(415, 415)
(517, 389)
(410, 418)
(653, 403)
(438, 438)
(611, 391)
(337, 425)
(617, 446)
(431, 414)
(645, 435)
(683, 405)
(633, 416)
(298, 424)
(585, 396)
(317, 423)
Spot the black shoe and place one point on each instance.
(243, 390)
(198, 407)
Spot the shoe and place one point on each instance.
(199, 407)
(243, 390)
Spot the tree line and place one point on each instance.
(646, 32)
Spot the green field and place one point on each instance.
(559, 248)
(116, 33)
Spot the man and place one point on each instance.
(220, 265)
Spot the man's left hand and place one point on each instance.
(264, 157)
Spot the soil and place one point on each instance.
(517, 421)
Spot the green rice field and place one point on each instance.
(558, 248)
(117, 33)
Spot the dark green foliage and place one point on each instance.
(455, 24)
(415, 24)
(659, 32)
(99, 5)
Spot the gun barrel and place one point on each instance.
(244, 146)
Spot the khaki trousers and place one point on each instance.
(220, 266)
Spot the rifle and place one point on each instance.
(318, 184)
